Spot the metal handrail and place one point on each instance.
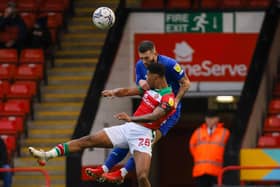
(44, 172)
(228, 168)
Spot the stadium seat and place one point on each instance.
(274, 107)
(20, 91)
(29, 19)
(55, 20)
(3, 5)
(29, 72)
(7, 71)
(272, 124)
(16, 107)
(258, 4)
(4, 89)
(7, 127)
(52, 6)
(210, 4)
(179, 4)
(232, 4)
(155, 4)
(269, 142)
(27, 5)
(18, 123)
(32, 56)
(8, 56)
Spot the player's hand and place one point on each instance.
(144, 85)
(123, 116)
(108, 93)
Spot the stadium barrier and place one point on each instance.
(44, 172)
(231, 168)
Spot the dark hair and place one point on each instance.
(211, 113)
(146, 45)
(157, 68)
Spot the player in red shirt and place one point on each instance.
(157, 105)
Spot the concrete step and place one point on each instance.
(49, 133)
(51, 124)
(76, 62)
(58, 106)
(86, 28)
(57, 115)
(28, 160)
(81, 45)
(40, 142)
(36, 185)
(68, 71)
(79, 53)
(39, 180)
(84, 37)
(65, 89)
(74, 80)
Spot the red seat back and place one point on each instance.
(274, 106)
(210, 4)
(29, 72)
(8, 56)
(7, 71)
(29, 19)
(27, 5)
(179, 4)
(269, 142)
(31, 56)
(154, 4)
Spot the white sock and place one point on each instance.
(51, 153)
(123, 172)
(105, 168)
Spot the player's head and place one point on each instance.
(147, 52)
(211, 118)
(156, 73)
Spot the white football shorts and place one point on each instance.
(131, 135)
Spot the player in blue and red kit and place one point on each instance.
(176, 78)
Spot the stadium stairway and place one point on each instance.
(62, 98)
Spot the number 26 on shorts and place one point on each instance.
(144, 142)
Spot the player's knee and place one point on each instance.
(142, 177)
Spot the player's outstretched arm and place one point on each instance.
(121, 92)
(155, 115)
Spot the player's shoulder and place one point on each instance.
(166, 59)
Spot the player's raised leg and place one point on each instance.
(99, 139)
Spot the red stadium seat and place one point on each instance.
(29, 72)
(210, 4)
(27, 5)
(4, 89)
(232, 4)
(20, 91)
(32, 56)
(16, 107)
(8, 56)
(29, 19)
(7, 71)
(3, 5)
(274, 106)
(155, 4)
(7, 127)
(179, 4)
(55, 20)
(18, 122)
(269, 142)
(258, 4)
(272, 124)
(52, 6)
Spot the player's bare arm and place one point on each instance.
(120, 92)
(155, 115)
(185, 84)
